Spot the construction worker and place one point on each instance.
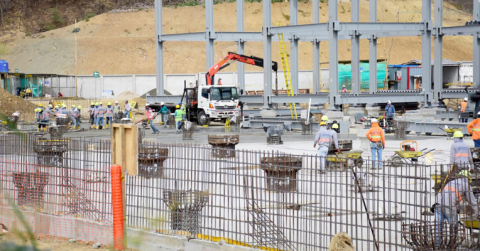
(117, 107)
(463, 108)
(73, 117)
(78, 114)
(100, 116)
(447, 201)
(128, 109)
(324, 139)
(344, 89)
(460, 155)
(50, 110)
(390, 110)
(37, 117)
(473, 128)
(377, 143)
(178, 118)
(324, 119)
(91, 111)
(45, 119)
(109, 114)
(64, 109)
(165, 112)
(335, 127)
(150, 116)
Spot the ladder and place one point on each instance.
(286, 73)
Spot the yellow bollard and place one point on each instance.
(227, 123)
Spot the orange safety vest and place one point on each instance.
(474, 129)
(461, 155)
(463, 106)
(376, 134)
(452, 189)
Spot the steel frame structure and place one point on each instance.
(332, 31)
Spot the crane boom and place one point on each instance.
(232, 56)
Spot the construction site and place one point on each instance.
(219, 155)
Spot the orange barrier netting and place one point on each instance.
(117, 205)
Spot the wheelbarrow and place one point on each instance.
(450, 131)
(340, 161)
(408, 153)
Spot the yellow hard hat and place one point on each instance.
(51, 106)
(323, 123)
(177, 106)
(73, 106)
(458, 134)
(464, 173)
(325, 118)
(40, 105)
(96, 103)
(79, 107)
(64, 105)
(101, 103)
(335, 126)
(93, 103)
(109, 103)
(57, 106)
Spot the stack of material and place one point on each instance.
(373, 111)
(352, 111)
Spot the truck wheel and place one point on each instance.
(203, 119)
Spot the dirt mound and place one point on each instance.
(124, 43)
(10, 104)
(127, 95)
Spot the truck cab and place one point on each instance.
(217, 103)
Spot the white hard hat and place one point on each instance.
(162, 103)
(374, 120)
(343, 85)
(389, 102)
(478, 113)
(116, 102)
(147, 104)
(465, 99)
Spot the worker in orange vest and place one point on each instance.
(377, 143)
(463, 108)
(474, 129)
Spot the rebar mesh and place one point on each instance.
(399, 129)
(268, 200)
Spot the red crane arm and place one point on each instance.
(232, 56)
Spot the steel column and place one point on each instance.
(476, 47)
(427, 48)
(438, 51)
(333, 50)
(267, 52)
(294, 46)
(209, 33)
(159, 47)
(240, 45)
(372, 56)
(372, 63)
(316, 48)
(355, 48)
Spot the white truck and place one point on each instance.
(210, 102)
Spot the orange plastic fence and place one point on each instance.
(117, 205)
